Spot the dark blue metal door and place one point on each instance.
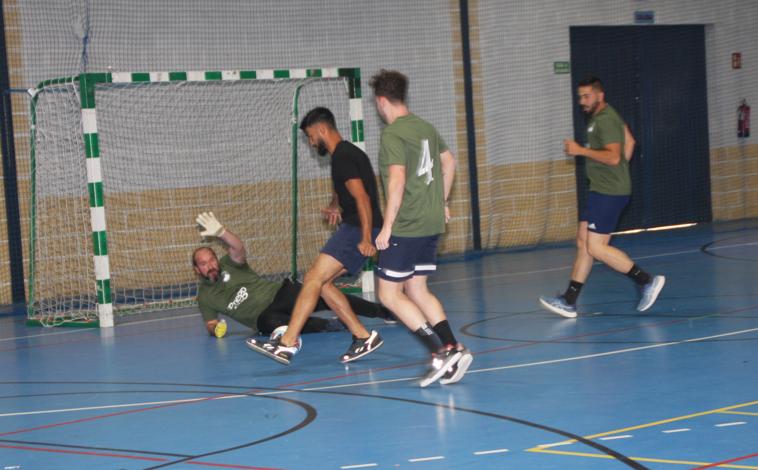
(655, 77)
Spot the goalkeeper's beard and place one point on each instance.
(212, 275)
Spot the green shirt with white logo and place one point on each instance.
(239, 292)
(607, 127)
(414, 143)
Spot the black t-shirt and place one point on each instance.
(350, 162)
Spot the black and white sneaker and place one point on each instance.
(273, 350)
(457, 371)
(361, 347)
(441, 363)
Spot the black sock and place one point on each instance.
(572, 293)
(445, 333)
(638, 275)
(429, 338)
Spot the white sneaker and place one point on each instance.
(558, 305)
(650, 292)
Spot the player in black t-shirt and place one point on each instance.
(356, 205)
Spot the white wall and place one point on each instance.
(528, 109)
(149, 35)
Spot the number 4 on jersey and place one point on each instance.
(425, 164)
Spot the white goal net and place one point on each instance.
(115, 199)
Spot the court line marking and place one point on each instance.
(488, 452)
(611, 438)
(724, 462)
(360, 465)
(736, 423)
(56, 333)
(126, 456)
(554, 444)
(652, 424)
(407, 379)
(103, 407)
(427, 459)
(95, 330)
(749, 413)
(611, 353)
(560, 268)
(669, 431)
(646, 459)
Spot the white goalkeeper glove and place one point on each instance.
(211, 226)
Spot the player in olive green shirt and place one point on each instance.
(230, 286)
(609, 148)
(417, 171)
(414, 144)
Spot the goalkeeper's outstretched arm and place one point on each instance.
(213, 228)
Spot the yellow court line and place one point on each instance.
(642, 459)
(654, 423)
(740, 413)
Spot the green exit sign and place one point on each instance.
(561, 67)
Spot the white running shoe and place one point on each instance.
(650, 292)
(558, 305)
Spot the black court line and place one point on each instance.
(312, 413)
(707, 249)
(606, 450)
(309, 418)
(465, 330)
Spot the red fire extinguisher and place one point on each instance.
(743, 120)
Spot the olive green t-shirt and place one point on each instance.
(414, 143)
(607, 127)
(239, 292)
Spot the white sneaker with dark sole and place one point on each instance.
(441, 363)
(558, 305)
(456, 373)
(273, 350)
(361, 347)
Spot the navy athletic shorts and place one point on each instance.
(343, 246)
(602, 212)
(407, 257)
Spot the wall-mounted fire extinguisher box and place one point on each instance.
(743, 120)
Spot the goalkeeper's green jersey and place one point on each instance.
(239, 292)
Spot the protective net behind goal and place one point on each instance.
(168, 151)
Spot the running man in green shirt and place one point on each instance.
(417, 170)
(609, 148)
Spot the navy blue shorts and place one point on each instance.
(602, 212)
(407, 257)
(343, 246)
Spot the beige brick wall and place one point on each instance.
(734, 182)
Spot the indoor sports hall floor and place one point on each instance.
(675, 387)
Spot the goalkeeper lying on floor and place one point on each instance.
(229, 286)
